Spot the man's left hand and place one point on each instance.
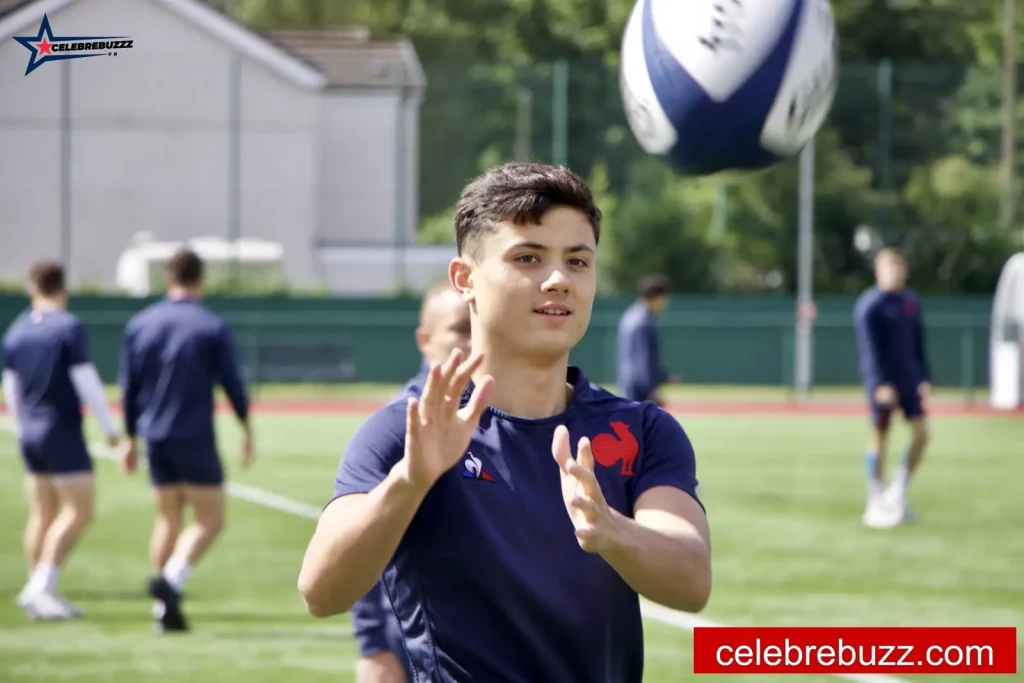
(597, 525)
(128, 456)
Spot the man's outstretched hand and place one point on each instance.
(597, 525)
(437, 430)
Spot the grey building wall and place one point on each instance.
(149, 147)
(366, 136)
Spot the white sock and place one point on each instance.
(176, 572)
(901, 480)
(44, 578)
(874, 489)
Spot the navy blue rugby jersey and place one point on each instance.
(489, 582)
(174, 353)
(41, 347)
(890, 338)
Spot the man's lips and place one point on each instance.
(555, 310)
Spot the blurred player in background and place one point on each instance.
(175, 352)
(47, 375)
(444, 327)
(640, 373)
(895, 372)
(506, 557)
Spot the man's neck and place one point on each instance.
(524, 389)
(177, 293)
(45, 304)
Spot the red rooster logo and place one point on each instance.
(622, 447)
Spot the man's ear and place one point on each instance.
(460, 274)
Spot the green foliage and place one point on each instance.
(654, 228)
(911, 152)
(439, 228)
(12, 287)
(957, 243)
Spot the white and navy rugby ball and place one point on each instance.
(713, 85)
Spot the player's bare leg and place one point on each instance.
(382, 667)
(897, 493)
(877, 513)
(207, 504)
(208, 507)
(76, 496)
(170, 508)
(875, 460)
(43, 504)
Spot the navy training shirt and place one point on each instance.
(639, 353)
(890, 338)
(174, 353)
(41, 347)
(489, 582)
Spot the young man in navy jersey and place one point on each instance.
(895, 371)
(640, 373)
(516, 509)
(175, 352)
(443, 327)
(47, 375)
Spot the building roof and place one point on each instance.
(314, 59)
(350, 59)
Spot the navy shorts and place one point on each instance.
(908, 400)
(184, 461)
(376, 628)
(58, 451)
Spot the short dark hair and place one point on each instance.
(185, 268)
(47, 277)
(651, 286)
(522, 193)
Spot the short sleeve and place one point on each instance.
(373, 450)
(667, 457)
(78, 345)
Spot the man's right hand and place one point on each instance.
(885, 395)
(437, 430)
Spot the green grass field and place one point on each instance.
(784, 497)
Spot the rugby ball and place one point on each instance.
(713, 85)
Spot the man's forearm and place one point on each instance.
(669, 568)
(353, 542)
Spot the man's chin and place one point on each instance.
(553, 344)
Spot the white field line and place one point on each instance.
(268, 499)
